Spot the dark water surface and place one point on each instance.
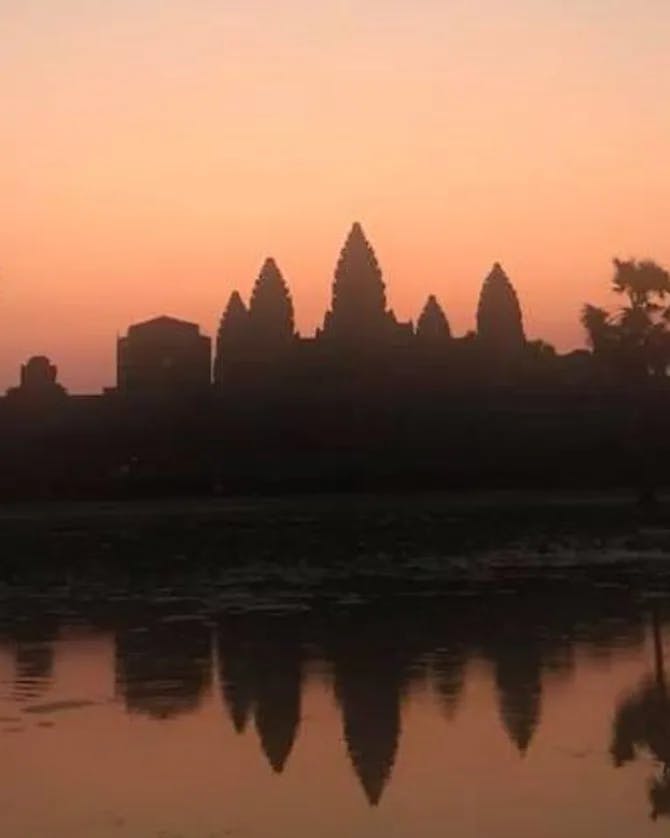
(287, 671)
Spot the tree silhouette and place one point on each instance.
(432, 325)
(499, 321)
(634, 341)
(633, 344)
(233, 333)
(271, 319)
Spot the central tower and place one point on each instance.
(358, 312)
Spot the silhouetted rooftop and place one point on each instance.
(163, 322)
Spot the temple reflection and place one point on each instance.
(374, 656)
(260, 672)
(238, 668)
(517, 650)
(34, 653)
(30, 635)
(371, 668)
(163, 668)
(277, 707)
(448, 674)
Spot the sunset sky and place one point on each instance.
(153, 152)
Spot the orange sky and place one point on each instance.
(153, 152)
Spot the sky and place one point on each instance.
(154, 152)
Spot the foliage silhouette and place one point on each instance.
(635, 340)
(633, 344)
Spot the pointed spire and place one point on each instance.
(358, 308)
(271, 318)
(235, 318)
(358, 273)
(519, 688)
(371, 720)
(432, 325)
(278, 700)
(499, 319)
(233, 332)
(239, 703)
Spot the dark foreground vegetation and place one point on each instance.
(378, 543)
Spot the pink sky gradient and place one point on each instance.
(153, 152)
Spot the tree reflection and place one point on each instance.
(642, 721)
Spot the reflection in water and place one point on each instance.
(448, 672)
(163, 668)
(32, 635)
(260, 666)
(642, 720)
(277, 700)
(371, 666)
(238, 668)
(519, 685)
(375, 656)
(34, 662)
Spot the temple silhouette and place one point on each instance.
(367, 402)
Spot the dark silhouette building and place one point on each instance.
(366, 403)
(432, 327)
(39, 382)
(358, 314)
(499, 323)
(163, 356)
(271, 320)
(232, 339)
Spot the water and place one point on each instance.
(413, 673)
(483, 715)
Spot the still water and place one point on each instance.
(493, 713)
